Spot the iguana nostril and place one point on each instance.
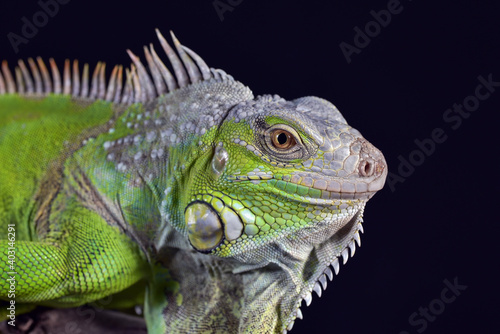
(371, 162)
(366, 168)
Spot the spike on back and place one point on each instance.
(142, 83)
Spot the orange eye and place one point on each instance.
(282, 139)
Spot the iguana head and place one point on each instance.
(284, 197)
(279, 167)
(261, 197)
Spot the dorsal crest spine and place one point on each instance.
(141, 84)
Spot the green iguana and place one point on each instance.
(221, 210)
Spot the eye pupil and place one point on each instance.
(282, 138)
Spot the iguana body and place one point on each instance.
(230, 209)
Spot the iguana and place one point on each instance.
(222, 210)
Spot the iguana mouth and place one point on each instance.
(331, 266)
(313, 195)
(301, 193)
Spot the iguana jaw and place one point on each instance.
(321, 197)
(324, 258)
(316, 188)
(296, 264)
(290, 189)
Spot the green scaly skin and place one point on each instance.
(186, 192)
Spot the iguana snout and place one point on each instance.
(372, 166)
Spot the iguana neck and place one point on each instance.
(154, 152)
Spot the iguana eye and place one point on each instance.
(281, 142)
(282, 139)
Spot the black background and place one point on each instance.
(442, 221)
